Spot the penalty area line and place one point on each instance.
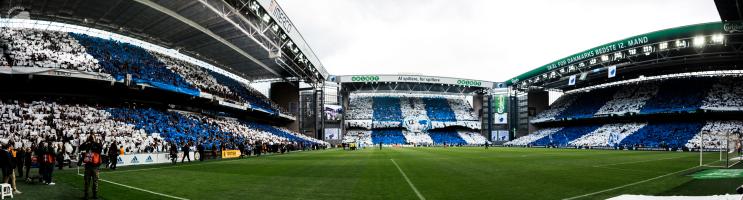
(408, 180)
(630, 184)
(140, 189)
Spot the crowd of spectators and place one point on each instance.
(648, 97)
(44, 49)
(135, 130)
(37, 48)
(608, 135)
(629, 99)
(726, 95)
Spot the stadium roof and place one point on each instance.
(413, 83)
(253, 39)
(730, 10)
(693, 46)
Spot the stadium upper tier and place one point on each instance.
(138, 128)
(253, 39)
(648, 98)
(636, 135)
(388, 110)
(39, 49)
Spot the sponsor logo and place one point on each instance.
(364, 78)
(732, 27)
(469, 82)
(134, 160)
(149, 159)
(119, 160)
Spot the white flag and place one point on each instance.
(571, 81)
(612, 71)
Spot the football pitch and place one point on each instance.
(405, 173)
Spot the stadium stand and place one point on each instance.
(671, 98)
(44, 49)
(387, 136)
(448, 137)
(61, 50)
(139, 130)
(663, 135)
(529, 139)
(726, 95)
(387, 110)
(607, 135)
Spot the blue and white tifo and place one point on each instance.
(421, 119)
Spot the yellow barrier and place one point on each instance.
(231, 153)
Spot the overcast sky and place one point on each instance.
(478, 39)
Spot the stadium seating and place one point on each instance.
(608, 135)
(717, 134)
(678, 95)
(137, 130)
(586, 104)
(448, 137)
(120, 59)
(629, 99)
(666, 134)
(564, 136)
(386, 109)
(35, 48)
(388, 136)
(529, 139)
(438, 109)
(44, 49)
(726, 95)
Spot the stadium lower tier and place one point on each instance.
(713, 135)
(400, 136)
(137, 129)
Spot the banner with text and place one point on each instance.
(416, 79)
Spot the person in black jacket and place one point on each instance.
(200, 148)
(45, 152)
(186, 149)
(113, 155)
(91, 156)
(8, 166)
(19, 158)
(28, 159)
(173, 152)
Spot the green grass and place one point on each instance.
(438, 173)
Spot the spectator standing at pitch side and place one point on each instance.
(113, 155)
(91, 156)
(8, 166)
(200, 149)
(173, 152)
(28, 159)
(19, 158)
(186, 150)
(46, 166)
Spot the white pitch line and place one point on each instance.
(631, 184)
(641, 161)
(140, 189)
(408, 180)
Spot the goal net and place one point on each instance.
(719, 149)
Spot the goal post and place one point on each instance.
(719, 149)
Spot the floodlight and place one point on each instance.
(663, 46)
(718, 38)
(698, 41)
